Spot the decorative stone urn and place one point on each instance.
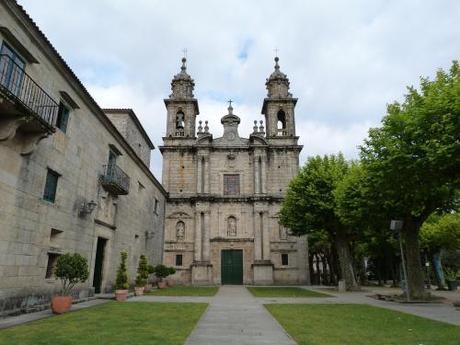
(139, 291)
(121, 295)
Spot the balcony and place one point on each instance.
(115, 180)
(27, 112)
(25, 96)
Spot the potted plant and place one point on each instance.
(451, 278)
(142, 276)
(121, 283)
(71, 269)
(170, 281)
(161, 271)
(150, 271)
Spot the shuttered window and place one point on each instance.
(50, 186)
(63, 117)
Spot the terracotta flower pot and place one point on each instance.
(162, 284)
(148, 287)
(61, 304)
(121, 295)
(171, 282)
(139, 291)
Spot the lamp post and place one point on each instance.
(396, 225)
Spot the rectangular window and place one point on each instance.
(50, 186)
(52, 259)
(231, 184)
(63, 117)
(179, 260)
(155, 207)
(285, 259)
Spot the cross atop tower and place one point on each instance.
(184, 51)
(229, 103)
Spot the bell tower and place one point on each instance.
(182, 107)
(278, 106)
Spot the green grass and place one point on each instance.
(347, 324)
(284, 292)
(112, 323)
(185, 291)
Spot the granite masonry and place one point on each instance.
(225, 193)
(73, 177)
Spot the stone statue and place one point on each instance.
(231, 226)
(283, 233)
(180, 231)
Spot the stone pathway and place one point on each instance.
(235, 317)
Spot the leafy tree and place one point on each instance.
(413, 161)
(71, 269)
(309, 206)
(121, 282)
(162, 271)
(440, 233)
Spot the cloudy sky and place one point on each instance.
(346, 59)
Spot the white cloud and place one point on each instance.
(345, 59)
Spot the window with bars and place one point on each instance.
(52, 259)
(231, 184)
(49, 193)
(179, 260)
(285, 259)
(62, 117)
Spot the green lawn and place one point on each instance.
(348, 324)
(185, 291)
(112, 323)
(284, 292)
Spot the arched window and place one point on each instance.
(180, 118)
(281, 120)
(180, 231)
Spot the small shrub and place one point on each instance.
(71, 269)
(142, 272)
(162, 271)
(121, 282)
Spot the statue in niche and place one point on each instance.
(180, 231)
(283, 233)
(231, 226)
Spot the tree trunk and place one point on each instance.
(345, 261)
(415, 275)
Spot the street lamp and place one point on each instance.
(396, 225)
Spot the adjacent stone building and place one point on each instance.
(73, 177)
(221, 223)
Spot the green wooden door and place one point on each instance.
(232, 267)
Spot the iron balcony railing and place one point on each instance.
(115, 180)
(18, 85)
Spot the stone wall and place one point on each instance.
(31, 228)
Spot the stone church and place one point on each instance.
(221, 217)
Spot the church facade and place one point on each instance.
(221, 216)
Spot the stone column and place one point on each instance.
(206, 237)
(199, 175)
(256, 175)
(206, 175)
(197, 249)
(263, 175)
(257, 237)
(265, 236)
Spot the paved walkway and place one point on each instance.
(235, 317)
